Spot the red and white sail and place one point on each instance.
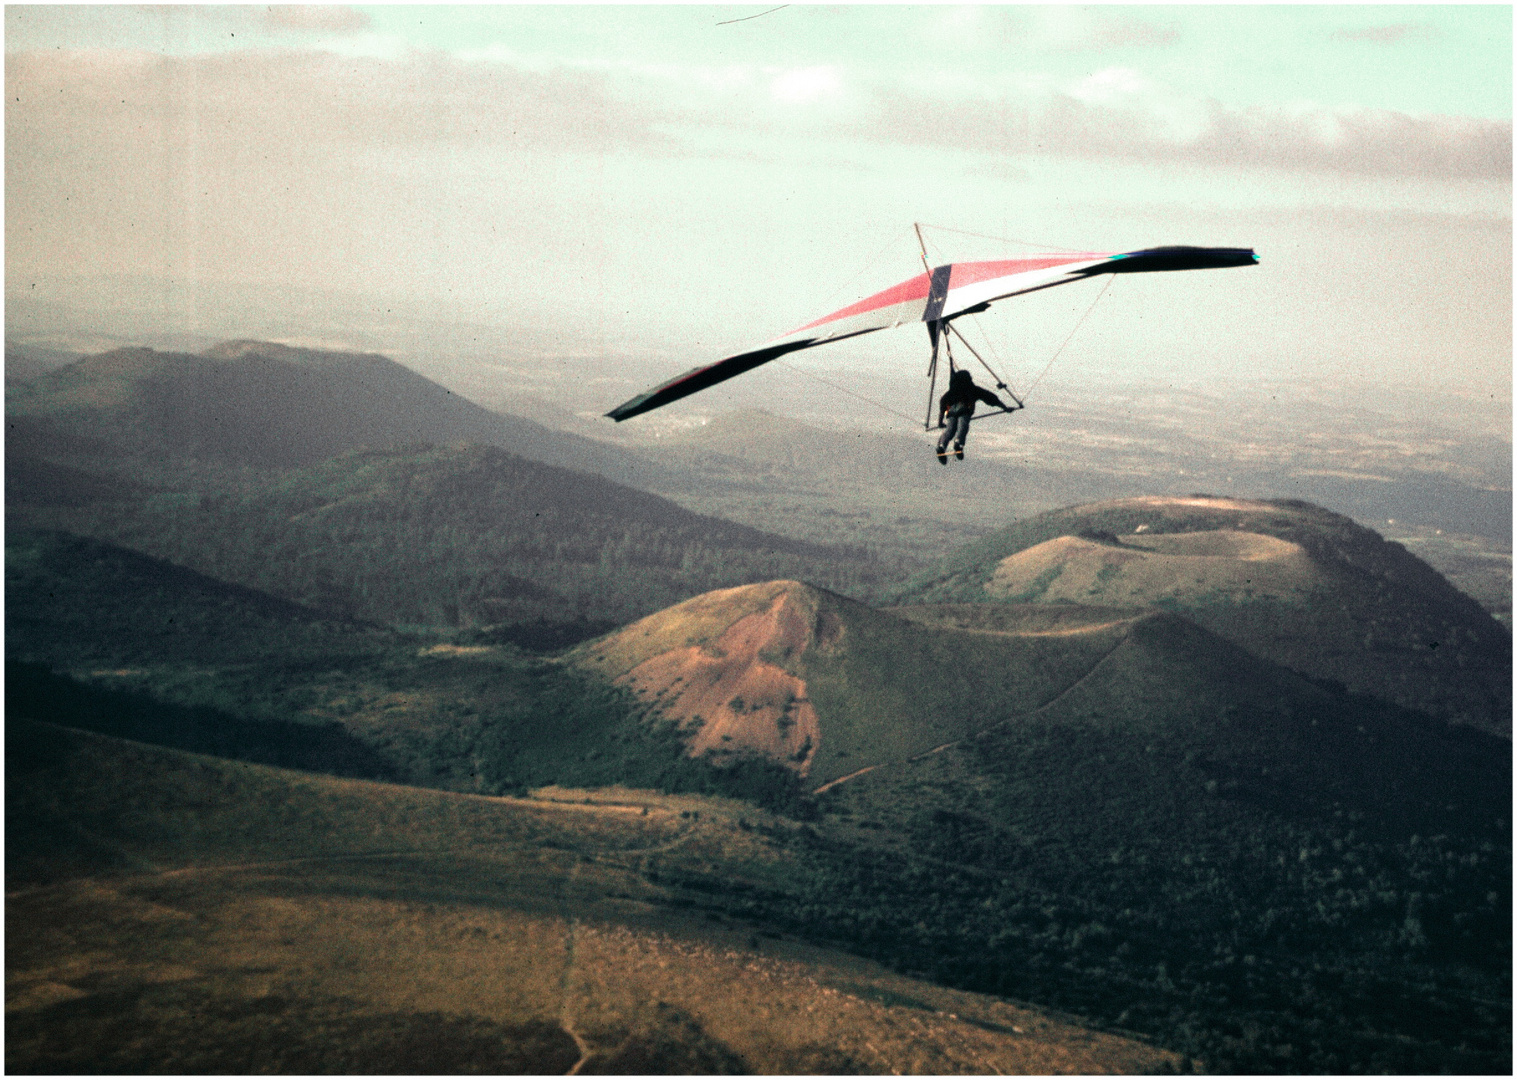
(934, 298)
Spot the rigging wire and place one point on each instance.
(1000, 382)
(1111, 278)
(872, 263)
(989, 342)
(745, 18)
(844, 389)
(990, 347)
(1002, 239)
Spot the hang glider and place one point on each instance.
(935, 298)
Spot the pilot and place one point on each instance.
(957, 406)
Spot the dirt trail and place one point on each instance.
(565, 984)
(1071, 631)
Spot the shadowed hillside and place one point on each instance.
(458, 536)
(271, 406)
(1189, 841)
(23, 362)
(101, 599)
(111, 640)
(1291, 582)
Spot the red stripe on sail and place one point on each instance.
(971, 272)
(914, 289)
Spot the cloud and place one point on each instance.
(270, 101)
(271, 165)
(1118, 113)
(801, 85)
(1385, 35)
(1079, 29)
(273, 99)
(1369, 141)
(268, 163)
(333, 19)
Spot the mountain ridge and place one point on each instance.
(275, 406)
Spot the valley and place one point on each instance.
(441, 745)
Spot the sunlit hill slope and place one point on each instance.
(832, 688)
(827, 685)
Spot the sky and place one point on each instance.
(658, 186)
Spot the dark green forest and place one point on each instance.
(348, 483)
(1248, 901)
(453, 536)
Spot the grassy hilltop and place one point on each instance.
(849, 686)
(1288, 581)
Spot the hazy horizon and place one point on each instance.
(652, 187)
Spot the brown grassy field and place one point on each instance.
(168, 912)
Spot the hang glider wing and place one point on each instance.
(950, 290)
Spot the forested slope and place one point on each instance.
(463, 536)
